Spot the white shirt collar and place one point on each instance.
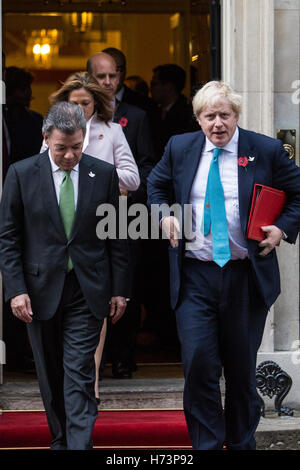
(87, 132)
(231, 146)
(55, 167)
(169, 106)
(120, 93)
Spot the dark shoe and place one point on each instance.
(121, 371)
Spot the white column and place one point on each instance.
(287, 116)
(248, 59)
(261, 60)
(248, 65)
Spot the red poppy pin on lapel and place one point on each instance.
(243, 161)
(123, 121)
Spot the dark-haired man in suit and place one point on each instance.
(60, 278)
(23, 137)
(24, 124)
(176, 113)
(222, 284)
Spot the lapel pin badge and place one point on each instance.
(91, 174)
(243, 161)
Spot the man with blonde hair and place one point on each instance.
(222, 283)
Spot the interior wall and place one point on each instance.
(146, 43)
(145, 40)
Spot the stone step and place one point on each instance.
(115, 394)
(152, 386)
(273, 433)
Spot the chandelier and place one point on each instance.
(43, 45)
(81, 22)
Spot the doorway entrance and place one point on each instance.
(54, 39)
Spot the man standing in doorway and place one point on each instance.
(176, 113)
(122, 335)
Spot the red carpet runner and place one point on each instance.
(132, 429)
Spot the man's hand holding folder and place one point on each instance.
(273, 237)
(267, 205)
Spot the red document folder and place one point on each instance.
(267, 205)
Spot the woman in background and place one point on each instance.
(104, 139)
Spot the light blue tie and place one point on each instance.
(214, 214)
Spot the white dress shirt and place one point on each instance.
(108, 143)
(58, 176)
(201, 247)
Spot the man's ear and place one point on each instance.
(46, 139)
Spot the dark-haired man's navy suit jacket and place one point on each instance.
(268, 165)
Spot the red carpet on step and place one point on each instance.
(140, 429)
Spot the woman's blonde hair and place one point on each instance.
(212, 93)
(103, 104)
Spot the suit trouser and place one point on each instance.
(220, 322)
(63, 349)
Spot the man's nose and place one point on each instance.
(69, 154)
(218, 121)
(107, 80)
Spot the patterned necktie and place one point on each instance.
(67, 206)
(214, 214)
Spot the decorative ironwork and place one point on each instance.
(272, 381)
